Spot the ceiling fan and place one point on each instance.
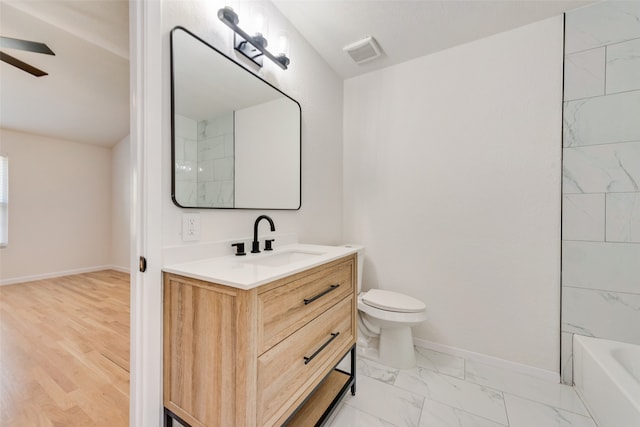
(8, 42)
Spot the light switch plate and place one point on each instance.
(190, 227)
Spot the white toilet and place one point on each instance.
(387, 317)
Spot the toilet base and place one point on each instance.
(396, 348)
(393, 348)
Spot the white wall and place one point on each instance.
(120, 204)
(318, 89)
(59, 207)
(452, 182)
(276, 160)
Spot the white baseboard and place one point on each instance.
(23, 279)
(120, 269)
(532, 371)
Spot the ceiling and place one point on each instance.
(408, 29)
(85, 97)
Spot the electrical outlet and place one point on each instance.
(190, 227)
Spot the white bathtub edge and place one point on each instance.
(604, 386)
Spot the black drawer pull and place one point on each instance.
(326, 291)
(310, 358)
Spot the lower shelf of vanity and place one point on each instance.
(323, 401)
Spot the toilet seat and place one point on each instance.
(392, 301)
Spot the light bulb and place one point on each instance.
(258, 21)
(282, 44)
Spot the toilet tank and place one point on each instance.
(360, 251)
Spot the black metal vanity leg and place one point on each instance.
(170, 417)
(353, 370)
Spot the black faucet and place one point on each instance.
(255, 246)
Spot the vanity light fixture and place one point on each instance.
(253, 47)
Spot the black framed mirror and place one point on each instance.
(236, 139)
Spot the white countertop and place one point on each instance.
(252, 270)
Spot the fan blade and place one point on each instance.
(22, 65)
(27, 45)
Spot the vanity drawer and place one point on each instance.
(284, 309)
(297, 364)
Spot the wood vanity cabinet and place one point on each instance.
(259, 357)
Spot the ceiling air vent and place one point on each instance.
(363, 50)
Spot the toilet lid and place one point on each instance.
(392, 301)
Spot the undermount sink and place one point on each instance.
(282, 258)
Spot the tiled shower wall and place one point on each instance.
(186, 152)
(204, 161)
(601, 176)
(215, 161)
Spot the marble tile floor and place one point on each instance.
(449, 391)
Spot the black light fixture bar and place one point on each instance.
(252, 47)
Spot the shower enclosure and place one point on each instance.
(601, 176)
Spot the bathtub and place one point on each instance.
(607, 378)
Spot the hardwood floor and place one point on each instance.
(64, 351)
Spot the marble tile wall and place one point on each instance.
(215, 162)
(601, 176)
(186, 152)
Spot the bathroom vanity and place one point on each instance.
(255, 340)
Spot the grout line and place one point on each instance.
(586, 98)
(464, 369)
(587, 193)
(600, 290)
(604, 83)
(602, 45)
(599, 144)
(605, 218)
(506, 411)
(608, 242)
